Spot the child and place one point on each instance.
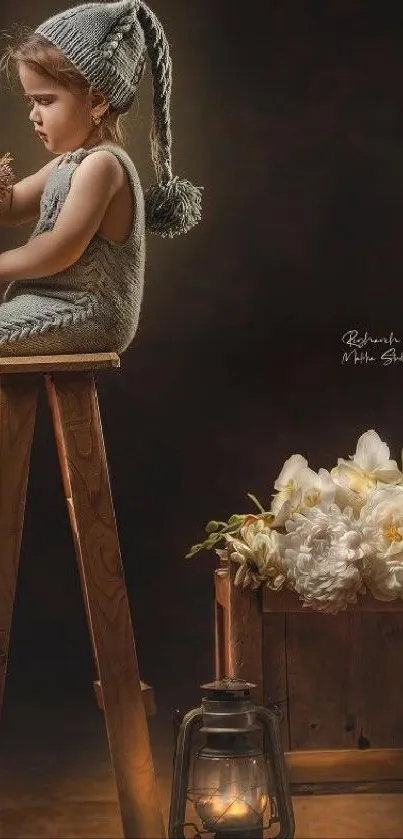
(76, 286)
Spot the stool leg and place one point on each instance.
(68, 494)
(18, 398)
(79, 439)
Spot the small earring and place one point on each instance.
(96, 120)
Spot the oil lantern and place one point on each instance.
(238, 787)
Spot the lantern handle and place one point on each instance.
(269, 721)
(181, 771)
(177, 717)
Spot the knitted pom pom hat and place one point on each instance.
(108, 43)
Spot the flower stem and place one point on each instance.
(255, 501)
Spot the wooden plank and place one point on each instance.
(57, 819)
(245, 631)
(345, 765)
(58, 363)
(348, 788)
(18, 399)
(317, 646)
(219, 636)
(146, 691)
(75, 410)
(221, 623)
(374, 689)
(348, 817)
(274, 665)
(334, 699)
(287, 601)
(68, 494)
(221, 579)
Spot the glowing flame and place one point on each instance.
(223, 808)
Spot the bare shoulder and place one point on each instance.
(99, 171)
(102, 161)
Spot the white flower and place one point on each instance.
(323, 552)
(299, 487)
(258, 553)
(341, 532)
(357, 478)
(382, 523)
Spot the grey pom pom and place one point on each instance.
(172, 208)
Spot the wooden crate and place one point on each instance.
(338, 680)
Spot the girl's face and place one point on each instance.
(60, 118)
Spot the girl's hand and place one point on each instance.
(7, 177)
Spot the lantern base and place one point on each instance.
(253, 833)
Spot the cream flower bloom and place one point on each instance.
(323, 550)
(357, 478)
(258, 554)
(298, 487)
(382, 522)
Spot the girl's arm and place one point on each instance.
(95, 182)
(21, 204)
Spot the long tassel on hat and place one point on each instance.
(172, 205)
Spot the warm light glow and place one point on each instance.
(237, 808)
(230, 791)
(225, 808)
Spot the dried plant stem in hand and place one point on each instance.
(7, 177)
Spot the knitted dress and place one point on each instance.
(92, 306)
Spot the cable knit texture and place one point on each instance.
(92, 306)
(106, 43)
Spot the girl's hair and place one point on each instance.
(46, 59)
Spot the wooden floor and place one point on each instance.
(56, 781)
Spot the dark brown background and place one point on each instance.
(290, 115)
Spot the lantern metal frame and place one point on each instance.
(227, 707)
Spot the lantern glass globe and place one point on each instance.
(230, 792)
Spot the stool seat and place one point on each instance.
(58, 363)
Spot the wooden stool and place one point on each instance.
(72, 397)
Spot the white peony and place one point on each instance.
(299, 487)
(324, 549)
(329, 536)
(382, 523)
(357, 478)
(258, 554)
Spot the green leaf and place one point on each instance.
(211, 526)
(194, 550)
(236, 519)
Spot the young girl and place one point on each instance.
(76, 286)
